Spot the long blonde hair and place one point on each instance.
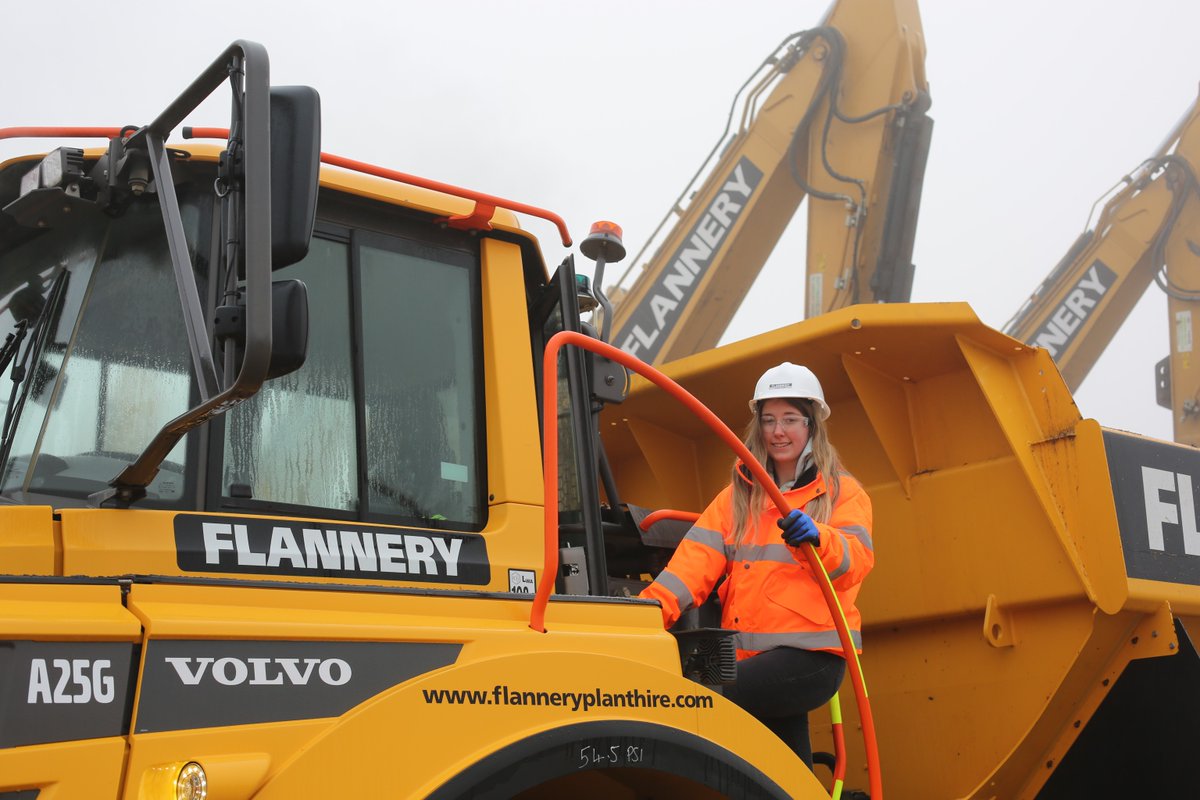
(749, 494)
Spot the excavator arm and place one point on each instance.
(836, 113)
(1147, 232)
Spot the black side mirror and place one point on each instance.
(289, 327)
(295, 169)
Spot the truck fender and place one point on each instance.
(513, 722)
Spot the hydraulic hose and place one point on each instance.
(537, 616)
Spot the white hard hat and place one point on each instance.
(790, 380)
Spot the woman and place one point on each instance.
(790, 660)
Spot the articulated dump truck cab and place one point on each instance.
(1026, 627)
(327, 591)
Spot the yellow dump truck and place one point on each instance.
(271, 508)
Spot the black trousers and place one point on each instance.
(781, 686)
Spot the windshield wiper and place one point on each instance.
(9, 349)
(36, 334)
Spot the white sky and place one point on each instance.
(604, 111)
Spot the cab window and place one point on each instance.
(384, 421)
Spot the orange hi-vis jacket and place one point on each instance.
(770, 595)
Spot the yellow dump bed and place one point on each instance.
(1025, 556)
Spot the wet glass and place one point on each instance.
(423, 423)
(115, 365)
(294, 442)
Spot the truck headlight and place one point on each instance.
(192, 783)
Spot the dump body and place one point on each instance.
(1012, 587)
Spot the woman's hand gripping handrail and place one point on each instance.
(537, 617)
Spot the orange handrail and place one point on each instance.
(667, 513)
(839, 746)
(537, 616)
(486, 204)
(59, 133)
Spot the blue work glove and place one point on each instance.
(798, 528)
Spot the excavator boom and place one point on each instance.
(1141, 236)
(836, 113)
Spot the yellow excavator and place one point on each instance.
(283, 512)
(1144, 234)
(836, 114)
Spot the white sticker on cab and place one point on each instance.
(521, 581)
(454, 472)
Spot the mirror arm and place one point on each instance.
(193, 313)
(130, 485)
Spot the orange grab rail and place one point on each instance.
(59, 133)
(485, 204)
(667, 513)
(537, 617)
(839, 746)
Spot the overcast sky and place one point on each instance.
(604, 111)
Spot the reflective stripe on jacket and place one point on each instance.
(770, 595)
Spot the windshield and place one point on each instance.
(103, 359)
